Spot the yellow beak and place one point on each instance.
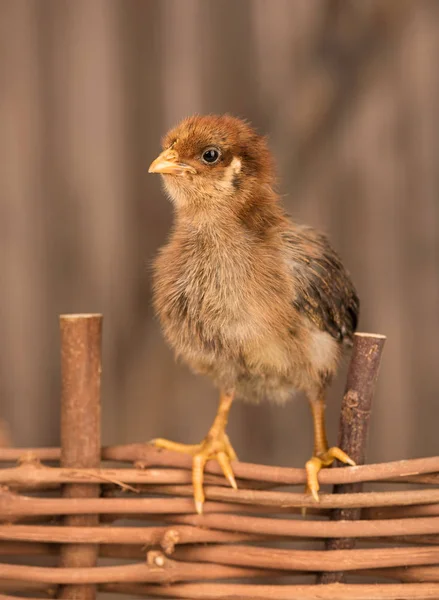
(167, 162)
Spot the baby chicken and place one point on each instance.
(259, 304)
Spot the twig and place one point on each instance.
(234, 591)
(83, 575)
(167, 537)
(80, 431)
(150, 456)
(31, 477)
(312, 529)
(155, 570)
(354, 426)
(290, 500)
(311, 560)
(31, 474)
(137, 550)
(125, 551)
(12, 505)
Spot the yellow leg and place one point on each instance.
(216, 445)
(322, 456)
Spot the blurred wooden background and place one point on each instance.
(348, 91)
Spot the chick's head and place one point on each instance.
(208, 161)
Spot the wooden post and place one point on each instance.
(354, 427)
(80, 431)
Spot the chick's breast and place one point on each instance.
(225, 308)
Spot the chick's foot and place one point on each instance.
(215, 446)
(323, 460)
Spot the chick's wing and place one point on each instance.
(323, 288)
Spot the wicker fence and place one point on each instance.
(131, 528)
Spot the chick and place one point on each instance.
(259, 304)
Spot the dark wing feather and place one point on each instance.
(324, 290)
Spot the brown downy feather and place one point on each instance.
(245, 296)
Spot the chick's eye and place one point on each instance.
(211, 155)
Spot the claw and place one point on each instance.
(199, 506)
(198, 464)
(224, 462)
(336, 453)
(317, 463)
